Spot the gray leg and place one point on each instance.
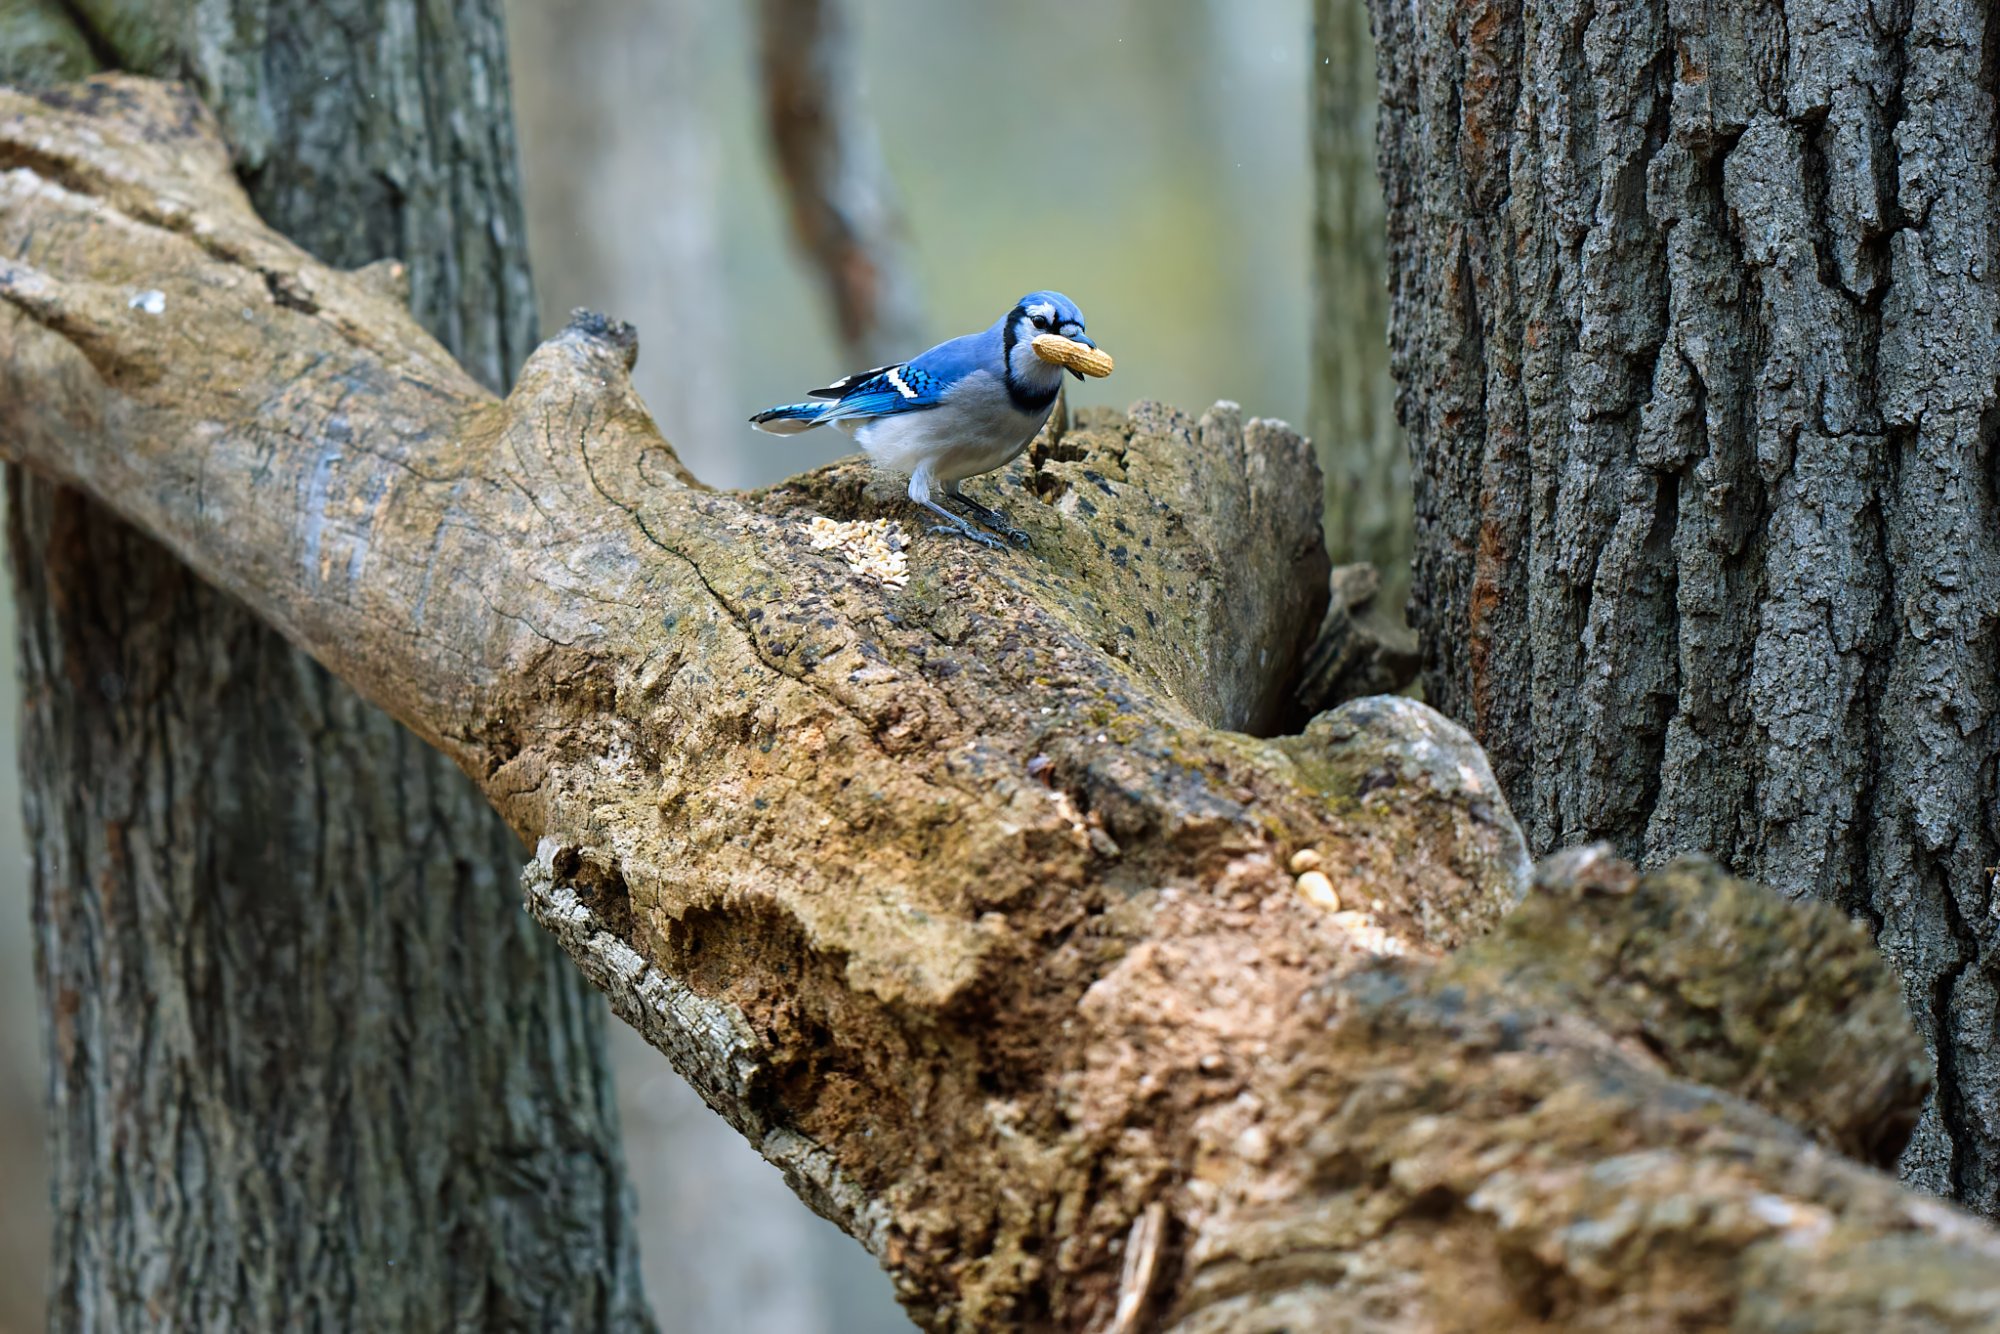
(993, 519)
(920, 491)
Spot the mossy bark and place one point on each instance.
(1697, 327)
(311, 1066)
(958, 897)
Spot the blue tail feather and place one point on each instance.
(791, 418)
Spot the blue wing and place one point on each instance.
(839, 388)
(919, 383)
(884, 393)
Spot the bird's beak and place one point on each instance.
(1083, 338)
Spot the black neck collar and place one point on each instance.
(1025, 397)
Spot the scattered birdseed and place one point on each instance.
(1316, 889)
(1364, 932)
(873, 548)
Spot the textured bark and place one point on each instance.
(1360, 447)
(955, 897)
(845, 215)
(311, 1066)
(1697, 324)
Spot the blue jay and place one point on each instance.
(965, 407)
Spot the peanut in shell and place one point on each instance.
(1072, 355)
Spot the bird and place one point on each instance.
(965, 407)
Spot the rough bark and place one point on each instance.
(1353, 420)
(954, 896)
(310, 1065)
(1697, 325)
(844, 209)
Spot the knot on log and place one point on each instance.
(387, 278)
(616, 334)
(1721, 982)
(1594, 868)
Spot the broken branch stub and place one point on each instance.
(968, 899)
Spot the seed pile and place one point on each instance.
(1316, 888)
(873, 548)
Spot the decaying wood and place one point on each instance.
(958, 898)
(309, 1062)
(1698, 332)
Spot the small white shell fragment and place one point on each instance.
(1316, 889)
(1365, 933)
(1305, 859)
(152, 301)
(873, 548)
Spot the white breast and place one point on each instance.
(976, 429)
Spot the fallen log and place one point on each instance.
(963, 886)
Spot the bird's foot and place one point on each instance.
(957, 526)
(993, 519)
(969, 533)
(1017, 536)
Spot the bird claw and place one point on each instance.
(969, 534)
(995, 520)
(1010, 532)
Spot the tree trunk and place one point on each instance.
(941, 872)
(845, 215)
(1697, 324)
(1361, 449)
(312, 1067)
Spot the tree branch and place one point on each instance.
(845, 216)
(958, 898)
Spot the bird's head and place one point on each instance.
(1042, 313)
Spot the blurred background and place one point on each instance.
(1151, 158)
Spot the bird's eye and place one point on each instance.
(1041, 323)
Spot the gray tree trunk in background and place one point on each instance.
(624, 155)
(311, 1066)
(1697, 325)
(1352, 417)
